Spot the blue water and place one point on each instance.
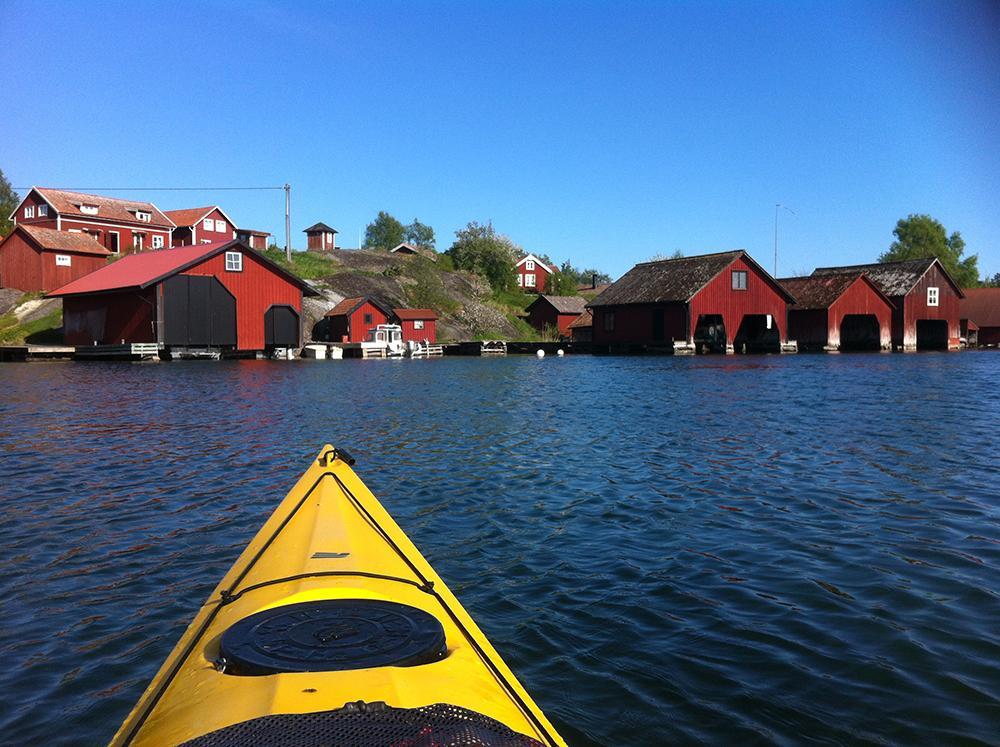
(729, 550)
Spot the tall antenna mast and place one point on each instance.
(288, 221)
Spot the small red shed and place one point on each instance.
(555, 312)
(418, 324)
(925, 301)
(320, 238)
(980, 310)
(219, 295)
(721, 302)
(351, 319)
(581, 329)
(40, 259)
(843, 311)
(203, 225)
(532, 274)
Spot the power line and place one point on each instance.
(155, 189)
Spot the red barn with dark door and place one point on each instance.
(351, 319)
(843, 311)
(720, 302)
(555, 312)
(925, 301)
(417, 324)
(40, 259)
(219, 295)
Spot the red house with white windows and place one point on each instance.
(722, 302)
(204, 225)
(220, 296)
(417, 324)
(120, 226)
(352, 319)
(33, 258)
(532, 274)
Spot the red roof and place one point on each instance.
(111, 208)
(148, 268)
(187, 217)
(77, 243)
(982, 306)
(346, 306)
(414, 314)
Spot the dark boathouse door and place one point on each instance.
(281, 327)
(658, 330)
(198, 311)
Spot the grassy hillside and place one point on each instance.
(27, 318)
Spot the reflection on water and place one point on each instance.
(719, 549)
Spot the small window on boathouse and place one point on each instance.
(234, 262)
(368, 318)
(739, 280)
(933, 296)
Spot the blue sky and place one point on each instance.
(604, 133)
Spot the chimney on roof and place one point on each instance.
(593, 280)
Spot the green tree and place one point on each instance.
(420, 234)
(480, 249)
(563, 281)
(993, 282)
(384, 232)
(8, 204)
(920, 236)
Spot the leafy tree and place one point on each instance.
(480, 249)
(384, 232)
(419, 234)
(919, 236)
(563, 281)
(8, 203)
(993, 282)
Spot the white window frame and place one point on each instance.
(529, 280)
(89, 209)
(64, 260)
(744, 275)
(208, 224)
(143, 216)
(220, 226)
(157, 241)
(43, 211)
(234, 262)
(118, 243)
(529, 265)
(933, 296)
(29, 211)
(418, 323)
(520, 280)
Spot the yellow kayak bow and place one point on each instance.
(332, 629)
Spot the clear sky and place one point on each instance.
(604, 133)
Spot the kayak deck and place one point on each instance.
(369, 613)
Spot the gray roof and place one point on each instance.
(563, 304)
(892, 278)
(318, 227)
(671, 280)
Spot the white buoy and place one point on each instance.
(560, 352)
(540, 353)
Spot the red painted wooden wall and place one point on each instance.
(26, 267)
(410, 332)
(109, 318)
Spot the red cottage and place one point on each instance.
(40, 259)
(718, 302)
(256, 240)
(207, 295)
(351, 319)
(204, 225)
(925, 301)
(321, 238)
(418, 324)
(980, 312)
(843, 311)
(532, 273)
(555, 312)
(120, 226)
(581, 329)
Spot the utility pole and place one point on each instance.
(776, 206)
(288, 221)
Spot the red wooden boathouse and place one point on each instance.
(417, 324)
(33, 258)
(219, 295)
(925, 301)
(722, 302)
(980, 313)
(844, 311)
(351, 319)
(555, 312)
(120, 226)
